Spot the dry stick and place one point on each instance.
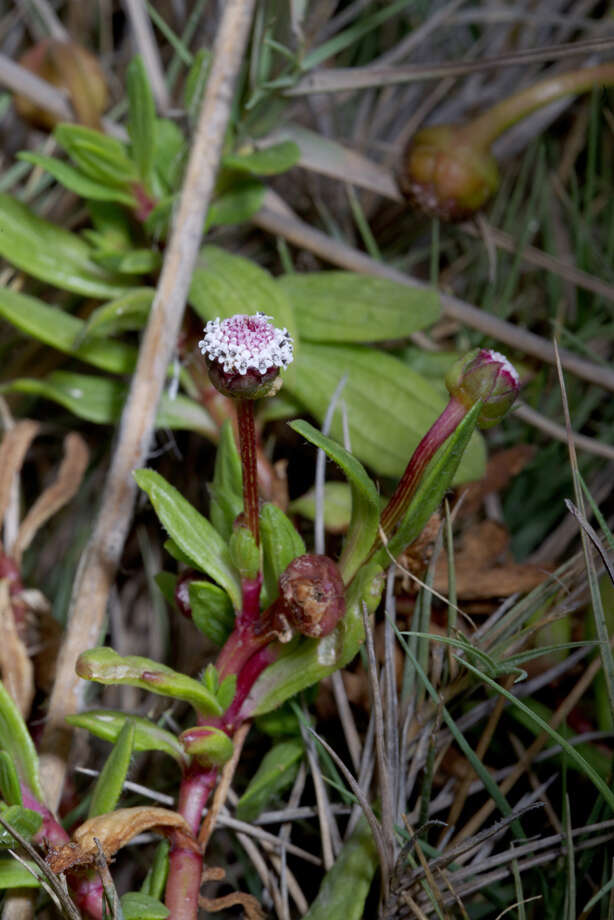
(559, 433)
(100, 559)
(558, 716)
(148, 49)
(50, 20)
(272, 219)
(519, 750)
(19, 80)
(221, 792)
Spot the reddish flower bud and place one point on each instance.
(312, 592)
(244, 355)
(488, 376)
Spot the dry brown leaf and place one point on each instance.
(57, 494)
(214, 874)
(13, 449)
(15, 665)
(501, 467)
(114, 831)
(483, 567)
(248, 902)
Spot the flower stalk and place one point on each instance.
(247, 451)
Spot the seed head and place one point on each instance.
(313, 592)
(244, 354)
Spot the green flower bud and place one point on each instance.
(211, 746)
(487, 376)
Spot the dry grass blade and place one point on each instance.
(601, 625)
(15, 664)
(13, 450)
(374, 824)
(55, 886)
(277, 220)
(54, 497)
(223, 786)
(356, 78)
(19, 80)
(99, 562)
(145, 41)
(383, 766)
(559, 433)
(592, 535)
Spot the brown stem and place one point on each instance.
(247, 450)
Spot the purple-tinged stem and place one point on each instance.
(185, 861)
(247, 449)
(439, 432)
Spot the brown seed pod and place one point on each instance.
(312, 591)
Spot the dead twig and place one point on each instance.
(99, 562)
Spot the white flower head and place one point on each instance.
(242, 343)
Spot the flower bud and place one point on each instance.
(445, 175)
(313, 595)
(488, 376)
(68, 66)
(210, 745)
(244, 355)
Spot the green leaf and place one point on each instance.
(210, 745)
(49, 253)
(138, 906)
(130, 262)
(192, 532)
(337, 506)
(304, 662)
(77, 182)
(275, 774)
(141, 118)
(346, 307)
(60, 330)
(101, 400)
(212, 611)
(105, 666)
(224, 284)
(364, 522)
(226, 490)
(128, 312)
(237, 204)
(107, 724)
(16, 741)
(281, 543)
(9, 781)
(435, 482)
(16, 875)
(345, 887)
(196, 81)
(389, 406)
(170, 154)
(25, 821)
(266, 162)
(110, 782)
(102, 158)
(155, 880)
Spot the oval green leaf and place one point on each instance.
(192, 532)
(104, 666)
(49, 253)
(345, 307)
(107, 724)
(275, 774)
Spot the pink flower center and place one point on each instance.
(243, 342)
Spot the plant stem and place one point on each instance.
(247, 449)
(485, 129)
(439, 432)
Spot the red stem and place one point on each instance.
(439, 432)
(247, 449)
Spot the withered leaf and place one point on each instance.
(114, 831)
